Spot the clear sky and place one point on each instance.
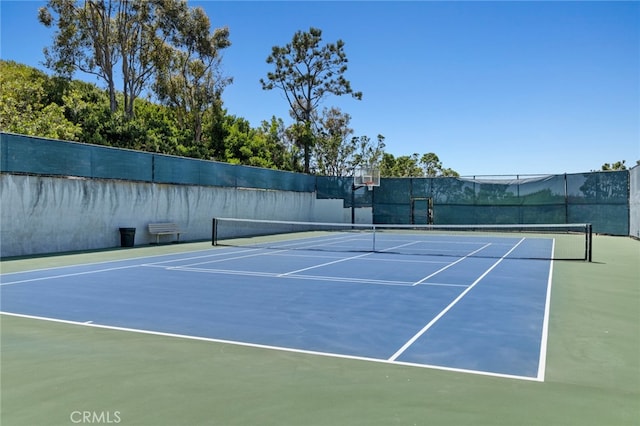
(493, 88)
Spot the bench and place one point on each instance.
(158, 229)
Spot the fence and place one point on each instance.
(25, 154)
(600, 198)
(608, 200)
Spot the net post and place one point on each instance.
(214, 232)
(353, 203)
(589, 242)
(374, 238)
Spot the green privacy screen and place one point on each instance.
(25, 154)
(600, 198)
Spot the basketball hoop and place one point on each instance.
(366, 176)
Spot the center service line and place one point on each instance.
(338, 261)
(451, 264)
(450, 306)
(323, 264)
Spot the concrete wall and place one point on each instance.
(50, 214)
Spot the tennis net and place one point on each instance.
(551, 241)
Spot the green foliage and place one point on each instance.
(261, 147)
(403, 166)
(428, 165)
(242, 143)
(619, 165)
(334, 148)
(36, 104)
(27, 107)
(286, 153)
(368, 154)
(162, 135)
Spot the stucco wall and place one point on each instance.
(51, 214)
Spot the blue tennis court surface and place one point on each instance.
(472, 312)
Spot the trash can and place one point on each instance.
(127, 237)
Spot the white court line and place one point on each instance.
(261, 253)
(450, 306)
(102, 262)
(219, 271)
(267, 347)
(399, 246)
(396, 259)
(286, 248)
(432, 284)
(324, 264)
(94, 271)
(348, 280)
(51, 277)
(224, 253)
(301, 277)
(315, 241)
(345, 259)
(545, 324)
(451, 264)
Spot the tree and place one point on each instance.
(307, 72)
(85, 40)
(403, 166)
(334, 149)
(284, 152)
(432, 166)
(190, 79)
(615, 166)
(138, 38)
(367, 153)
(94, 36)
(427, 165)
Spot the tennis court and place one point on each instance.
(53, 370)
(472, 303)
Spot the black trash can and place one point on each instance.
(127, 237)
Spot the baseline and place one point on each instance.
(263, 346)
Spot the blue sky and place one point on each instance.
(493, 88)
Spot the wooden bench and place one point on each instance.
(158, 229)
